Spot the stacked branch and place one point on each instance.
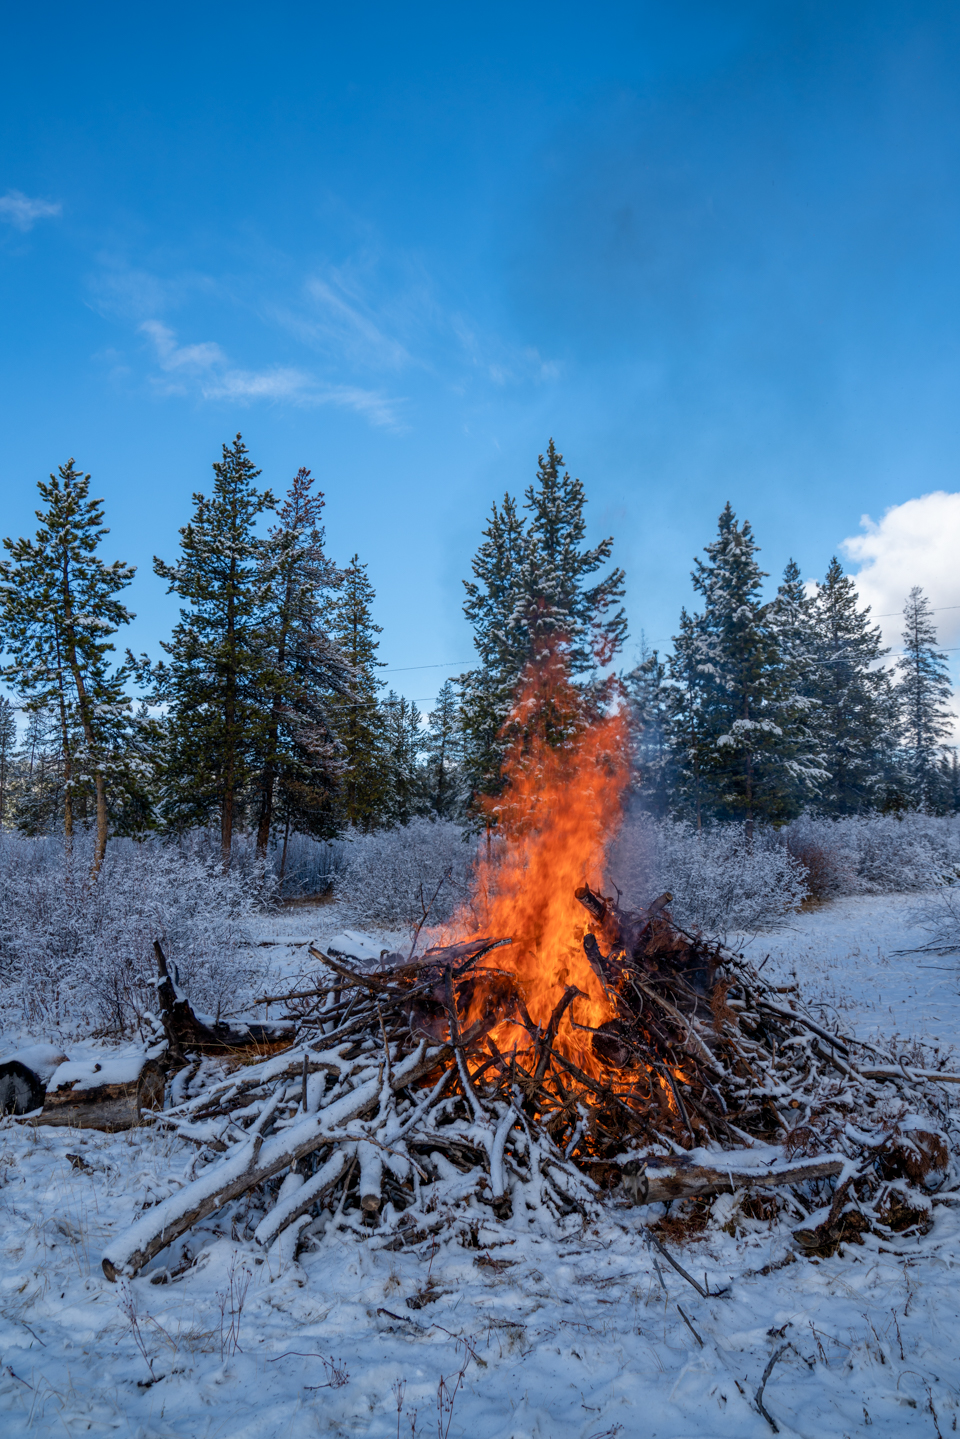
(396, 1108)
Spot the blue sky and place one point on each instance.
(711, 249)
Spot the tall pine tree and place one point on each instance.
(304, 672)
(652, 702)
(443, 747)
(923, 693)
(58, 613)
(534, 598)
(359, 722)
(855, 715)
(405, 794)
(752, 757)
(215, 680)
(8, 750)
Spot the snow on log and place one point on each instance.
(664, 1179)
(108, 1094)
(250, 1165)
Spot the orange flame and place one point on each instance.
(562, 801)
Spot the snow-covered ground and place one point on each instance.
(519, 1334)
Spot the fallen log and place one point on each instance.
(186, 1033)
(257, 1161)
(24, 1077)
(660, 1180)
(111, 1094)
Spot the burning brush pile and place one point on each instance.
(579, 1054)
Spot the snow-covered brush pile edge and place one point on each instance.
(365, 1127)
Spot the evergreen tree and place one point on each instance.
(923, 693)
(38, 781)
(855, 717)
(359, 722)
(652, 705)
(534, 598)
(58, 613)
(495, 608)
(443, 747)
(687, 724)
(752, 756)
(950, 781)
(214, 682)
(791, 620)
(8, 750)
(305, 671)
(588, 620)
(403, 741)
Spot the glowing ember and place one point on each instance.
(564, 785)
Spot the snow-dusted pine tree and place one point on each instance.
(923, 695)
(534, 595)
(359, 722)
(406, 794)
(304, 672)
(8, 750)
(59, 612)
(652, 705)
(855, 714)
(214, 682)
(754, 755)
(443, 748)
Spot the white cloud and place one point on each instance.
(171, 356)
(916, 543)
(22, 212)
(205, 368)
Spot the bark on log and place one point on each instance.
(228, 1180)
(188, 1034)
(116, 1103)
(664, 1179)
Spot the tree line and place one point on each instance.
(265, 714)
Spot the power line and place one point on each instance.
(894, 613)
(405, 669)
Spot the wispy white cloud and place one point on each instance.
(23, 212)
(206, 369)
(171, 356)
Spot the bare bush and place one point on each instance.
(390, 876)
(939, 914)
(722, 881)
(77, 954)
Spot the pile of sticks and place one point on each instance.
(394, 1108)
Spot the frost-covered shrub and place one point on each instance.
(721, 881)
(939, 914)
(874, 854)
(78, 955)
(388, 877)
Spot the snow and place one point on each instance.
(42, 1059)
(105, 1069)
(560, 1336)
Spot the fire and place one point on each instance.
(562, 800)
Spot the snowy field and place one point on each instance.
(519, 1333)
